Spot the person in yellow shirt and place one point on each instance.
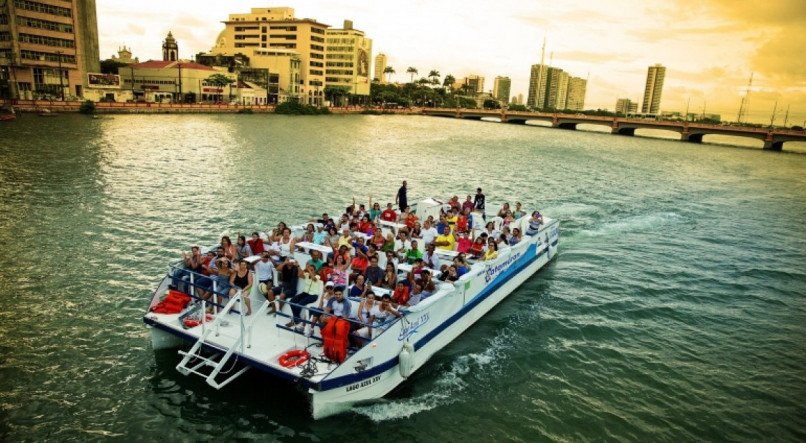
(446, 240)
(492, 251)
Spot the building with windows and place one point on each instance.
(277, 71)
(536, 96)
(626, 106)
(381, 62)
(47, 48)
(575, 97)
(552, 88)
(175, 82)
(347, 59)
(470, 85)
(276, 29)
(653, 89)
(501, 88)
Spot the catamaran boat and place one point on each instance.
(228, 343)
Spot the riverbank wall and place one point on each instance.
(175, 108)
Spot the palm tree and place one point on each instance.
(449, 81)
(434, 76)
(413, 71)
(389, 71)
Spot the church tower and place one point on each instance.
(170, 50)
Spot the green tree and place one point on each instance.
(449, 81)
(389, 71)
(333, 93)
(491, 104)
(434, 76)
(412, 71)
(220, 80)
(516, 107)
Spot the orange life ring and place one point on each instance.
(294, 358)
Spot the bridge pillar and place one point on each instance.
(691, 138)
(773, 145)
(623, 131)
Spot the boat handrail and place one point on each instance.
(192, 284)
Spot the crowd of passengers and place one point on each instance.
(352, 268)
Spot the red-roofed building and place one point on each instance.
(173, 81)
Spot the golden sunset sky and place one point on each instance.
(709, 47)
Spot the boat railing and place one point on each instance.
(319, 312)
(177, 273)
(219, 309)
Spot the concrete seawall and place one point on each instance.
(172, 108)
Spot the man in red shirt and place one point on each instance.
(389, 214)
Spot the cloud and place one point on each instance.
(593, 57)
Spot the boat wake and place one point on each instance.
(647, 222)
(466, 370)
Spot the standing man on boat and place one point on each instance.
(478, 203)
(400, 198)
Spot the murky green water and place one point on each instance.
(675, 311)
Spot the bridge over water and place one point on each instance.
(773, 138)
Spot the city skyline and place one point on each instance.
(709, 48)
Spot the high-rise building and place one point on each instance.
(276, 29)
(653, 89)
(347, 56)
(501, 87)
(520, 99)
(537, 86)
(556, 88)
(626, 106)
(47, 48)
(380, 66)
(575, 99)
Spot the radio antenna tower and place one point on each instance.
(743, 107)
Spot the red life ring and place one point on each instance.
(294, 358)
(192, 322)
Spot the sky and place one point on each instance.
(709, 47)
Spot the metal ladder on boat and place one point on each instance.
(217, 361)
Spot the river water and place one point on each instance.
(676, 309)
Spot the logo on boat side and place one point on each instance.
(411, 328)
(493, 271)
